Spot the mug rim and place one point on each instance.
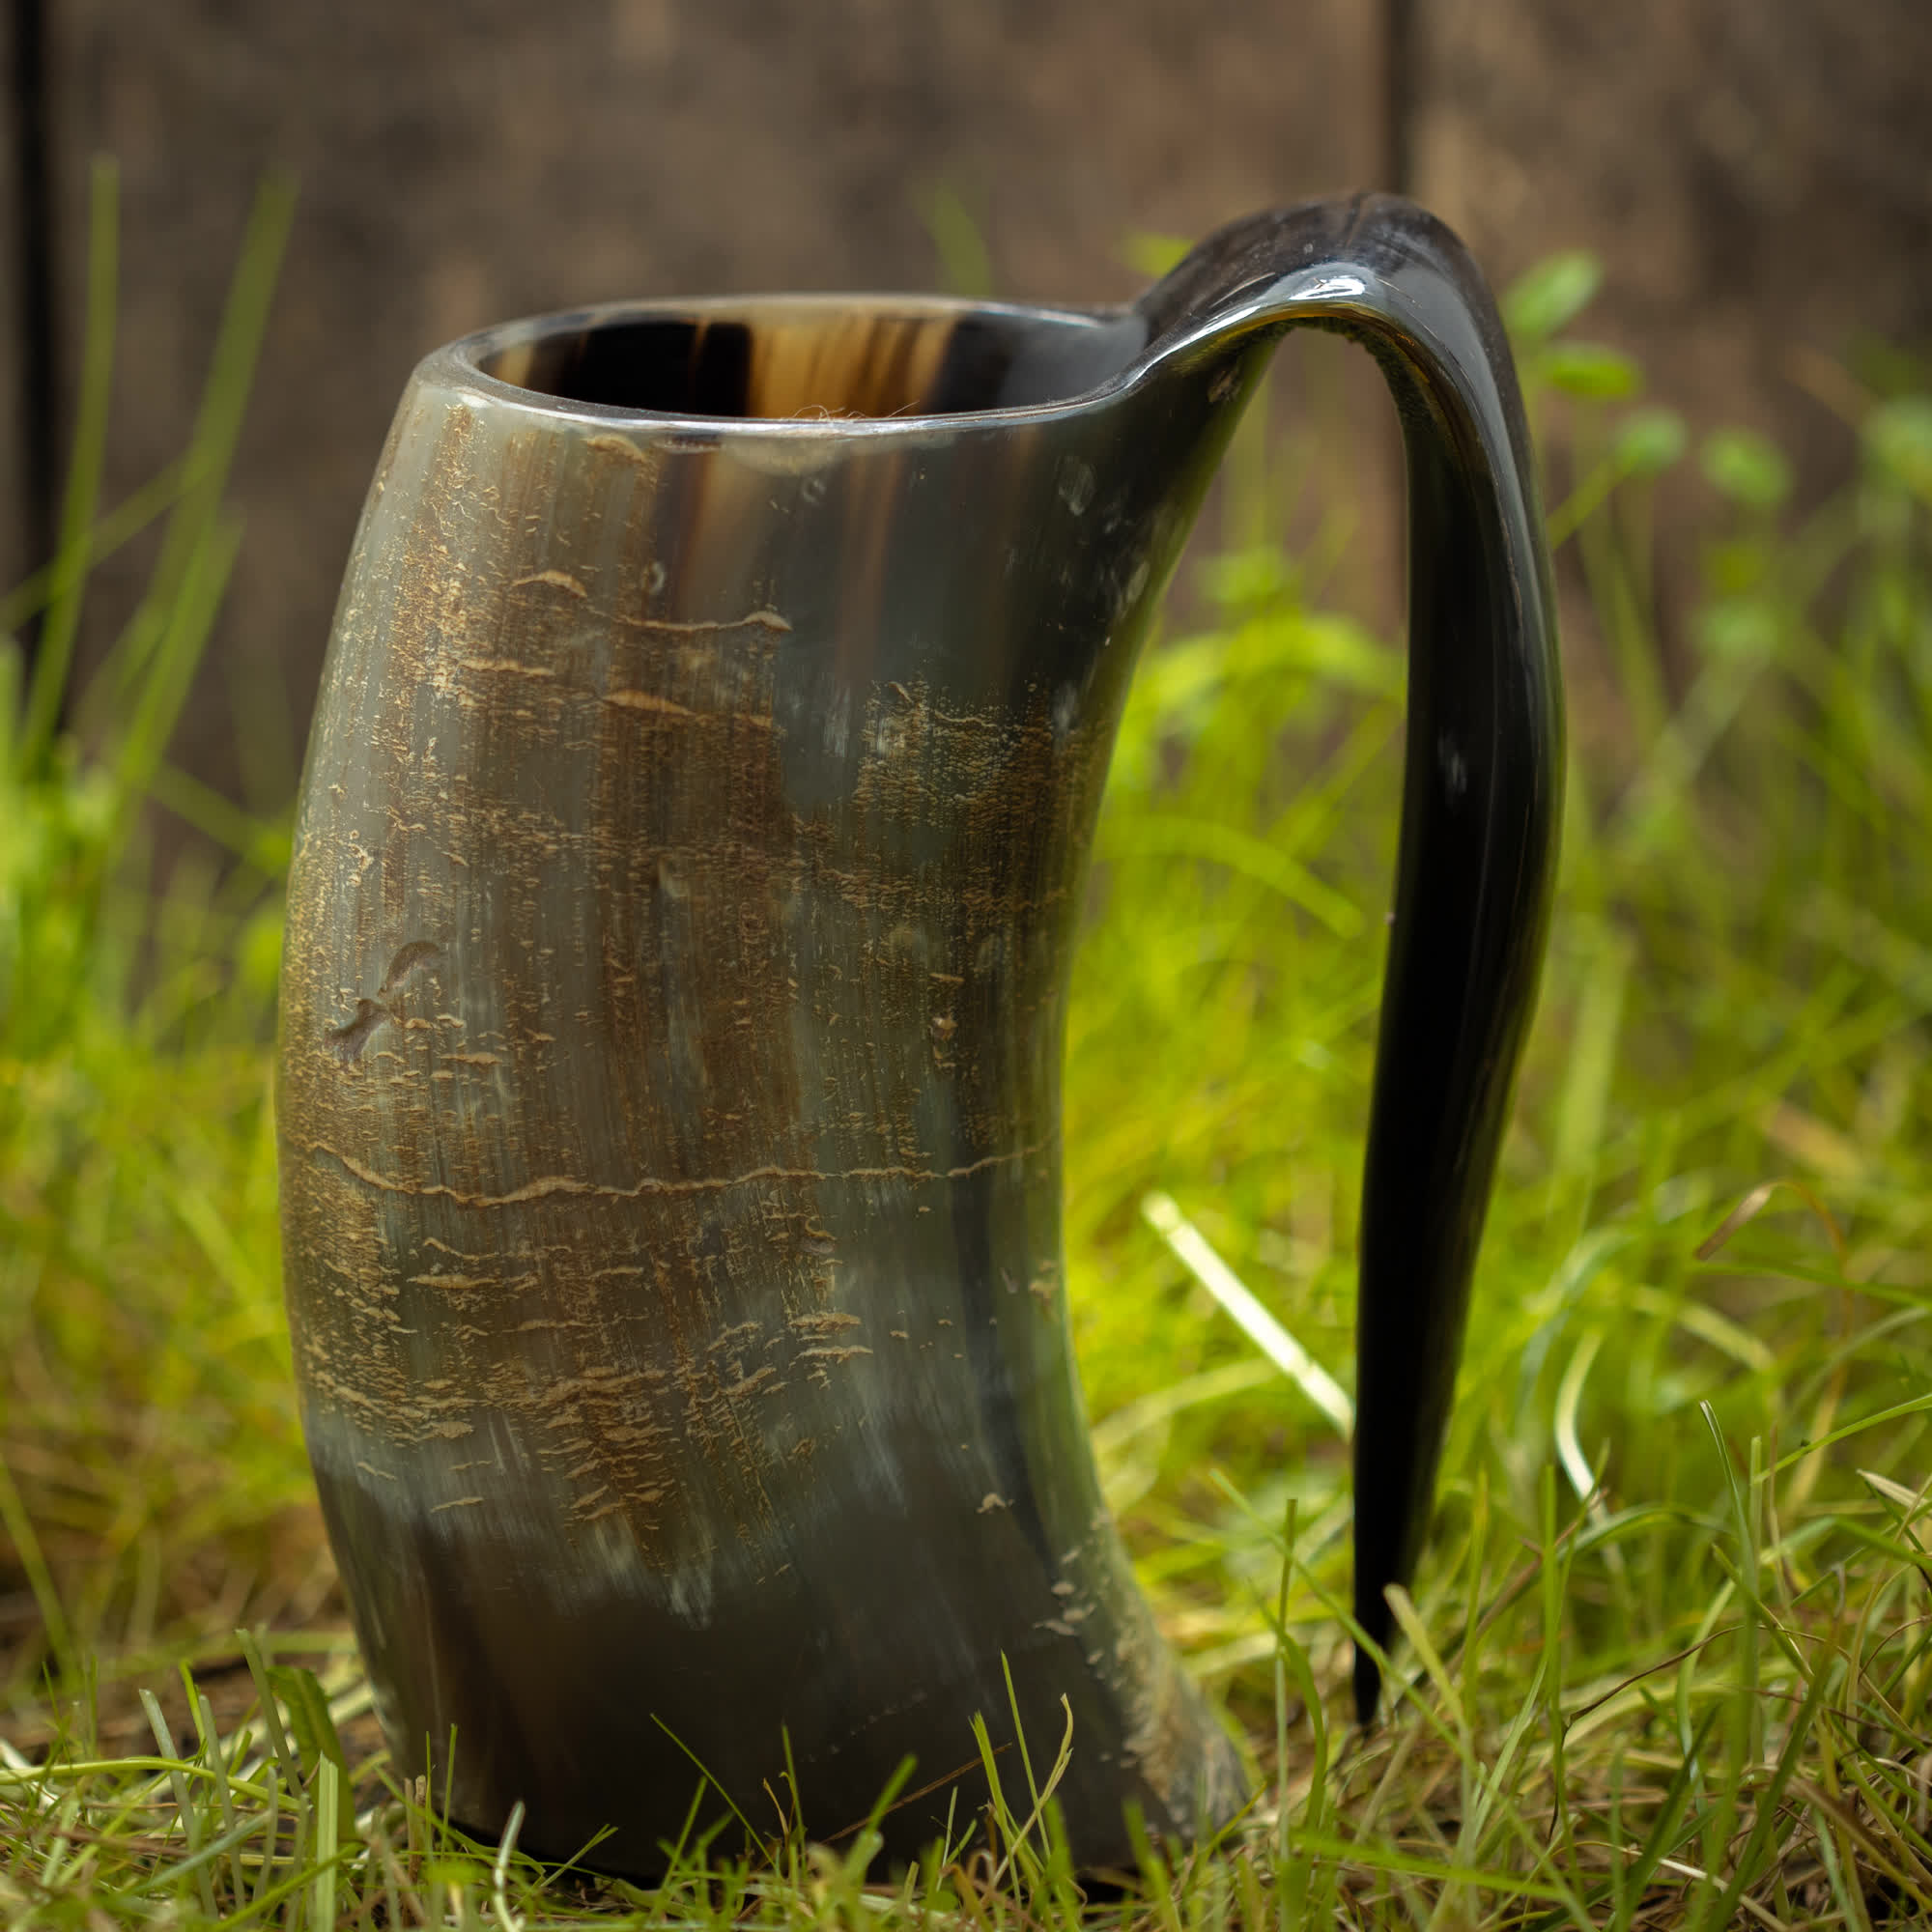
(459, 364)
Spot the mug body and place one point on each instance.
(689, 858)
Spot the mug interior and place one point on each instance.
(813, 361)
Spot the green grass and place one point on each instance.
(1669, 1658)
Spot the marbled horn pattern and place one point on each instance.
(689, 852)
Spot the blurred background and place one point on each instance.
(1754, 175)
(1727, 1106)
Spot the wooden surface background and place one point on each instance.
(1756, 174)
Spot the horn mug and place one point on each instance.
(688, 866)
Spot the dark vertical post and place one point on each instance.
(32, 274)
(1398, 94)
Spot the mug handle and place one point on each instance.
(1482, 786)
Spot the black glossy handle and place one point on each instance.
(1481, 796)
